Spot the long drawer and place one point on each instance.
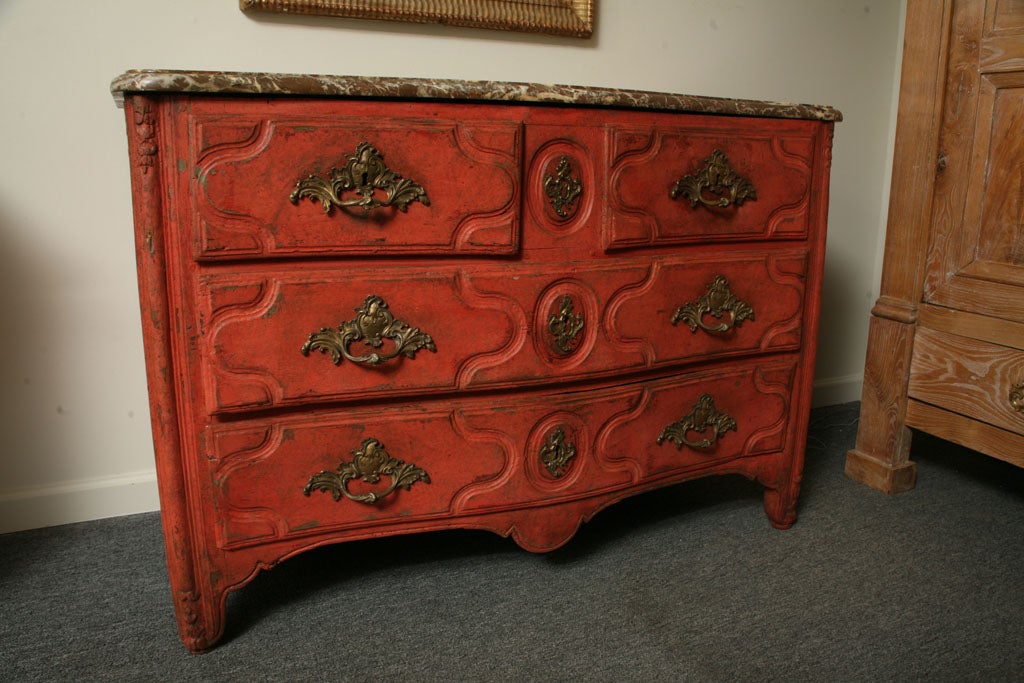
(297, 336)
(330, 471)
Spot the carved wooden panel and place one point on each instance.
(260, 472)
(976, 261)
(563, 179)
(254, 348)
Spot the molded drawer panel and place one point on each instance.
(688, 309)
(305, 475)
(414, 183)
(415, 330)
(723, 181)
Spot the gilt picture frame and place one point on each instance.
(573, 18)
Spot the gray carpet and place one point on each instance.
(687, 583)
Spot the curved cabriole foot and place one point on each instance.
(780, 507)
(781, 490)
(200, 622)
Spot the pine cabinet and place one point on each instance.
(946, 342)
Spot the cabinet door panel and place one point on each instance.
(976, 259)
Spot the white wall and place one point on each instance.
(74, 427)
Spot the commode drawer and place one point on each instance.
(968, 376)
(296, 178)
(317, 333)
(721, 180)
(362, 470)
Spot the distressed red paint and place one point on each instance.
(234, 278)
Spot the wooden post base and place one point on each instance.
(879, 474)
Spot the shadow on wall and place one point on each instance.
(36, 347)
(845, 309)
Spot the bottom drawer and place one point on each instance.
(978, 379)
(409, 464)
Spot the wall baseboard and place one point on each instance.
(837, 390)
(78, 501)
(135, 492)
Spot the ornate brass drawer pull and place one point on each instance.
(369, 462)
(704, 416)
(1017, 397)
(372, 325)
(367, 176)
(716, 302)
(556, 453)
(717, 177)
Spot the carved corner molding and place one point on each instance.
(145, 131)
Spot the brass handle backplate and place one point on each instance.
(703, 417)
(372, 325)
(556, 453)
(718, 178)
(1017, 397)
(565, 326)
(369, 463)
(563, 188)
(368, 177)
(716, 302)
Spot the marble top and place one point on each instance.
(222, 82)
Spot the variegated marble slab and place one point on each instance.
(216, 82)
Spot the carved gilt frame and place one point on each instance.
(573, 18)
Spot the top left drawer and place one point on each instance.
(292, 178)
